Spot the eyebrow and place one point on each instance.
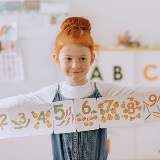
(78, 56)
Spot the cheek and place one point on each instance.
(86, 65)
(63, 66)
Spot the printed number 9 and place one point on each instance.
(153, 99)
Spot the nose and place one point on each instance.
(75, 64)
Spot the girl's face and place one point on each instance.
(75, 61)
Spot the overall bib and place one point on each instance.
(86, 145)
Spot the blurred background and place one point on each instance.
(128, 32)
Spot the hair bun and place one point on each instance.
(76, 23)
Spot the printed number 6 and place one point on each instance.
(58, 109)
(85, 108)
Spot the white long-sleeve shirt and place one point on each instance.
(46, 94)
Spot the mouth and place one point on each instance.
(77, 72)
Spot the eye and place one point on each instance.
(68, 59)
(82, 59)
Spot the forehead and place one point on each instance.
(74, 49)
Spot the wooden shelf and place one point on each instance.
(129, 49)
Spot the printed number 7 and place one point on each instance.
(57, 108)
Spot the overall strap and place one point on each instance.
(95, 86)
(58, 88)
(57, 95)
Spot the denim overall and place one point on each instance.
(86, 145)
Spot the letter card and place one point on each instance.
(42, 119)
(63, 116)
(86, 114)
(4, 124)
(151, 102)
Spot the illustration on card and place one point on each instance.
(64, 120)
(117, 111)
(151, 106)
(43, 116)
(132, 110)
(4, 124)
(20, 121)
(87, 111)
(42, 119)
(108, 111)
(86, 114)
(66, 115)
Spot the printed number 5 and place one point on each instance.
(57, 108)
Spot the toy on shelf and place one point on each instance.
(126, 40)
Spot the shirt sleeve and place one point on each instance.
(42, 96)
(109, 89)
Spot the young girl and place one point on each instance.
(74, 53)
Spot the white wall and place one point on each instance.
(108, 17)
(112, 17)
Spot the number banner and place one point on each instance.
(80, 115)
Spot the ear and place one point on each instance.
(92, 58)
(56, 58)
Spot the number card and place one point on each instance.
(63, 115)
(42, 119)
(132, 109)
(86, 114)
(4, 124)
(151, 106)
(109, 112)
(20, 121)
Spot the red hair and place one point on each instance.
(75, 30)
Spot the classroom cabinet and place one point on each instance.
(121, 143)
(138, 142)
(147, 138)
(130, 67)
(127, 67)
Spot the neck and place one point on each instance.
(76, 83)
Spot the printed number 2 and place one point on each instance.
(3, 120)
(57, 108)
